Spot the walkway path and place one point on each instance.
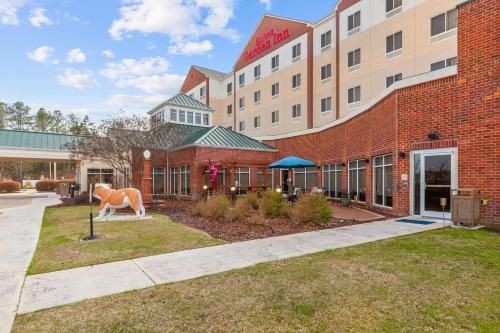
(20, 228)
(63, 287)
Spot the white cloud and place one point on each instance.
(38, 17)
(135, 101)
(130, 67)
(8, 11)
(267, 4)
(76, 79)
(108, 54)
(191, 48)
(41, 54)
(76, 56)
(166, 84)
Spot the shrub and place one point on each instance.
(240, 211)
(313, 209)
(46, 185)
(273, 204)
(27, 185)
(215, 208)
(9, 186)
(252, 199)
(66, 181)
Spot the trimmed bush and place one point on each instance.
(215, 208)
(252, 200)
(240, 211)
(46, 185)
(313, 209)
(9, 186)
(272, 203)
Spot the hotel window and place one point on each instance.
(444, 22)
(242, 126)
(275, 89)
(256, 122)
(275, 117)
(296, 81)
(256, 97)
(444, 63)
(326, 40)
(242, 80)
(382, 185)
(182, 116)
(185, 180)
(354, 95)
(256, 72)
(197, 118)
(173, 180)
(391, 5)
(356, 181)
(206, 119)
(326, 72)
(242, 180)
(353, 21)
(158, 180)
(203, 91)
(242, 103)
(326, 104)
(229, 110)
(229, 89)
(296, 52)
(173, 114)
(275, 62)
(354, 58)
(305, 178)
(260, 178)
(332, 180)
(296, 111)
(394, 42)
(393, 78)
(190, 119)
(220, 179)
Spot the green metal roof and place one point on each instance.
(211, 72)
(34, 140)
(183, 100)
(224, 138)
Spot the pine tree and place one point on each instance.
(43, 120)
(19, 117)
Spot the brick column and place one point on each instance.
(147, 182)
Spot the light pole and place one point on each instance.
(205, 192)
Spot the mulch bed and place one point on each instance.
(254, 227)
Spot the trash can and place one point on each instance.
(465, 207)
(64, 190)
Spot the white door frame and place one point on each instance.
(453, 151)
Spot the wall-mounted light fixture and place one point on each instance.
(433, 136)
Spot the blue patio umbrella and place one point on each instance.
(291, 162)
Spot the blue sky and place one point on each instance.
(96, 57)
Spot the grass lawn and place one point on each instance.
(439, 281)
(60, 245)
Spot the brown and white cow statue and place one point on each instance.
(116, 199)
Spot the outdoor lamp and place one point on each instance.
(233, 188)
(278, 189)
(205, 187)
(233, 194)
(147, 154)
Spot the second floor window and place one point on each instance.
(256, 72)
(354, 95)
(296, 51)
(203, 91)
(326, 72)
(444, 22)
(394, 42)
(242, 103)
(296, 81)
(256, 122)
(242, 79)
(256, 97)
(296, 111)
(229, 88)
(326, 39)
(326, 104)
(275, 89)
(354, 58)
(393, 78)
(444, 63)
(230, 110)
(354, 21)
(275, 117)
(390, 5)
(275, 62)
(242, 126)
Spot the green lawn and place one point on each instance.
(439, 281)
(60, 245)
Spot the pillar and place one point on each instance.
(147, 182)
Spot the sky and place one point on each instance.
(96, 57)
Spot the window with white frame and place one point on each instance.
(354, 21)
(159, 181)
(275, 117)
(242, 126)
(391, 5)
(444, 22)
(444, 63)
(296, 51)
(229, 88)
(305, 178)
(256, 72)
(382, 184)
(242, 79)
(393, 78)
(275, 89)
(190, 119)
(354, 95)
(173, 180)
(394, 42)
(357, 180)
(354, 58)
(206, 119)
(182, 116)
(256, 122)
(229, 110)
(326, 104)
(256, 97)
(296, 81)
(242, 103)
(221, 182)
(260, 178)
(332, 180)
(326, 40)
(185, 180)
(173, 115)
(326, 72)
(275, 62)
(203, 91)
(242, 180)
(197, 118)
(296, 111)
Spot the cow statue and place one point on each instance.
(116, 199)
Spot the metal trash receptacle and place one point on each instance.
(64, 190)
(465, 206)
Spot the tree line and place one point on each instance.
(19, 116)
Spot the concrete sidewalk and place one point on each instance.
(63, 287)
(18, 239)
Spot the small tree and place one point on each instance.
(43, 119)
